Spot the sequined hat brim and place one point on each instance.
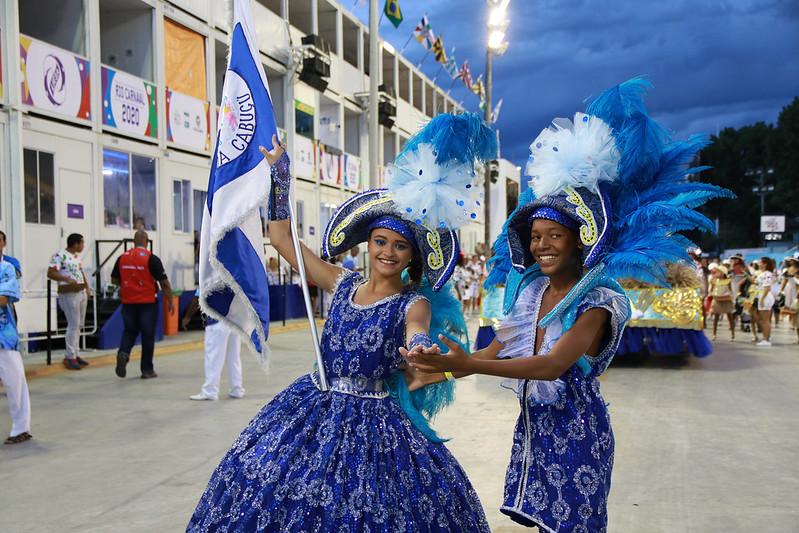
(350, 226)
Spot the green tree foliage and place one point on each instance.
(737, 157)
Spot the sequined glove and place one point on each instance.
(281, 184)
(420, 339)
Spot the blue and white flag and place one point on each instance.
(233, 275)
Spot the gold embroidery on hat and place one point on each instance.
(338, 235)
(589, 233)
(435, 259)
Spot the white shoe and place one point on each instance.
(238, 394)
(201, 397)
(764, 343)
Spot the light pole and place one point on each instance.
(761, 189)
(495, 45)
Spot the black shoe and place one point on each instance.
(122, 360)
(149, 375)
(81, 361)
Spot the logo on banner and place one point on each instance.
(236, 119)
(130, 103)
(54, 79)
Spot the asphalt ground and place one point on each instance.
(702, 445)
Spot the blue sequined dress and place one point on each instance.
(559, 473)
(347, 460)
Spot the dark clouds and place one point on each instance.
(714, 63)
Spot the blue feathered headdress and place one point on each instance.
(648, 194)
(432, 181)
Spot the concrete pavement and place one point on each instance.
(701, 445)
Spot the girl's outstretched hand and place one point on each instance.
(273, 155)
(455, 361)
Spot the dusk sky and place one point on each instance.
(714, 63)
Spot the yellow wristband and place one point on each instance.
(449, 376)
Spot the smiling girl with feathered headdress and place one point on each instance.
(609, 192)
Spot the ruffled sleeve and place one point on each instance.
(516, 331)
(347, 276)
(619, 308)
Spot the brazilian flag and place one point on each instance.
(393, 12)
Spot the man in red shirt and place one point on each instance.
(139, 273)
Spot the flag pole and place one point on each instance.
(423, 59)
(306, 295)
(406, 43)
(437, 73)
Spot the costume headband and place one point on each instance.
(397, 226)
(547, 213)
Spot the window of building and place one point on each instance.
(326, 211)
(199, 206)
(181, 204)
(39, 168)
(129, 191)
(126, 37)
(59, 22)
(303, 119)
(300, 215)
(271, 5)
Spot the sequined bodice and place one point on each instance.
(363, 340)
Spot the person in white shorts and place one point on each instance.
(12, 371)
(221, 345)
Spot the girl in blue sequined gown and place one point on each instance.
(351, 459)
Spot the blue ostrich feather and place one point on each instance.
(618, 103)
(460, 138)
(668, 215)
(500, 264)
(641, 141)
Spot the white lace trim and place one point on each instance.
(344, 274)
(517, 332)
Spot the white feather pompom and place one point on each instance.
(439, 196)
(578, 154)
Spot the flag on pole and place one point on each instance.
(477, 87)
(451, 66)
(438, 50)
(424, 33)
(393, 12)
(233, 277)
(465, 74)
(495, 112)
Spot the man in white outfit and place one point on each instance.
(221, 345)
(12, 371)
(73, 295)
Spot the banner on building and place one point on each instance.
(303, 160)
(329, 164)
(129, 103)
(187, 121)
(665, 308)
(54, 79)
(352, 172)
(184, 60)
